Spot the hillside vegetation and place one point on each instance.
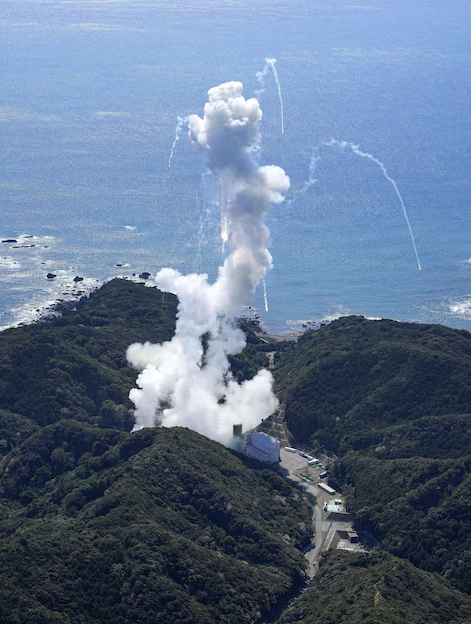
(99, 525)
(419, 508)
(74, 365)
(347, 383)
(377, 589)
(393, 401)
(162, 525)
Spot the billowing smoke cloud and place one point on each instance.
(183, 382)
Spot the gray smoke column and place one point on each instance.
(180, 383)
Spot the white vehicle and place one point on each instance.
(326, 488)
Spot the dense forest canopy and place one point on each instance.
(98, 524)
(162, 525)
(377, 589)
(347, 383)
(74, 365)
(393, 401)
(101, 525)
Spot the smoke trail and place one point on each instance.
(198, 262)
(312, 171)
(225, 230)
(260, 75)
(265, 297)
(187, 380)
(225, 218)
(270, 64)
(180, 123)
(204, 201)
(355, 149)
(315, 158)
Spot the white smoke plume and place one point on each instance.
(182, 382)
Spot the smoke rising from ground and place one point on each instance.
(187, 381)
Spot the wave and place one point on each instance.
(462, 308)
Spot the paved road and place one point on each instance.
(292, 462)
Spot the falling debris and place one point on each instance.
(356, 150)
(270, 64)
(180, 123)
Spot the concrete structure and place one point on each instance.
(334, 511)
(238, 439)
(340, 534)
(237, 431)
(338, 516)
(331, 507)
(263, 447)
(345, 545)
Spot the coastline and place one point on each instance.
(35, 312)
(53, 306)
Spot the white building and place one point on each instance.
(263, 447)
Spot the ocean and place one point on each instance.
(89, 99)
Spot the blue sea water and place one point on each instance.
(90, 91)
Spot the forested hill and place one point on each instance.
(99, 525)
(393, 401)
(352, 381)
(74, 365)
(159, 526)
(377, 589)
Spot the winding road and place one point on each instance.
(291, 462)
